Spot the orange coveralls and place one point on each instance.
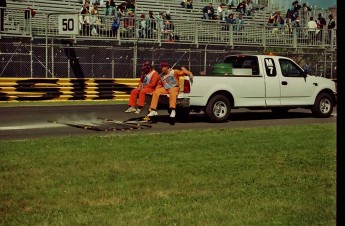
(173, 92)
(141, 91)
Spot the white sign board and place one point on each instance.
(68, 24)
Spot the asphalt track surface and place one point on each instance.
(34, 122)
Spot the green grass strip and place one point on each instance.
(284, 175)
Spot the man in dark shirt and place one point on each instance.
(208, 12)
(321, 24)
(2, 13)
(330, 27)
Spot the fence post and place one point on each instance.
(135, 58)
(31, 60)
(46, 31)
(52, 56)
(196, 34)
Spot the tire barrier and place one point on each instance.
(62, 89)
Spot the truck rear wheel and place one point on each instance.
(218, 108)
(323, 106)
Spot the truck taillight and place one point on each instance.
(186, 86)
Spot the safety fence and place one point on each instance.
(63, 89)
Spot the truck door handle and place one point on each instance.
(284, 83)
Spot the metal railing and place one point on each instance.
(99, 55)
(195, 32)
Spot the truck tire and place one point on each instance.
(323, 106)
(218, 108)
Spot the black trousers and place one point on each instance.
(2, 14)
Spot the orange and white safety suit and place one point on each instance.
(147, 84)
(168, 84)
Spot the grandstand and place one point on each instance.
(190, 30)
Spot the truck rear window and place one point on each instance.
(244, 62)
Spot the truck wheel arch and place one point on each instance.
(226, 94)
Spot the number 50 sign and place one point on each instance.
(68, 24)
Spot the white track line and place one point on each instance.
(32, 126)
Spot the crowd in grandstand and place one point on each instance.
(96, 17)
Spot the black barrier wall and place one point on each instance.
(49, 89)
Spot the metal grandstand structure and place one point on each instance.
(33, 47)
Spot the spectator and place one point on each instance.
(152, 25)
(208, 12)
(115, 25)
(241, 7)
(147, 84)
(249, 8)
(280, 21)
(84, 21)
(128, 22)
(168, 24)
(331, 27)
(94, 21)
(296, 26)
(227, 11)
(305, 10)
(321, 22)
(231, 3)
(230, 20)
(131, 6)
(168, 84)
(221, 12)
(331, 22)
(85, 6)
(239, 23)
(272, 20)
(95, 7)
(295, 10)
(2, 13)
(110, 8)
(122, 10)
(307, 68)
(312, 26)
(288, 26)
(142, 25)
(188, 4)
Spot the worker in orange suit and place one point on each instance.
(168, 84)
(147, 84)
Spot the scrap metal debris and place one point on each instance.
(104, 124)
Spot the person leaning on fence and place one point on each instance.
(296, 27)
(239, 23)
(84, 22)
(168, 84)
(229, 21)
(147, 84)
(312, 30)
(330, 26)
(321, 24)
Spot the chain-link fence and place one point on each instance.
(104, 59)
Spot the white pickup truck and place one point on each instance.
(255, 82)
